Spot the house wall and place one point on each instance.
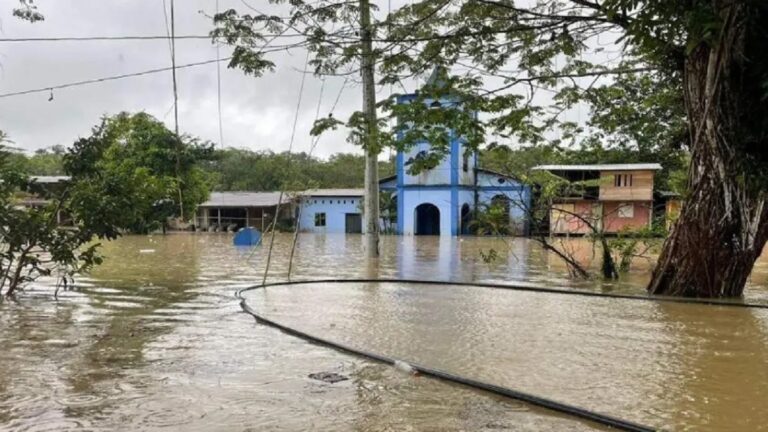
(335, 209)
(563, 221)
(672, 211)
(602, 215)
(641, 189)
(642, 211)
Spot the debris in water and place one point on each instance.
(329, 377)
(61, 343)
(404, 367)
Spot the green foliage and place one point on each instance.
(136, 152)
(634, 243)
(388, 211)
(33, 244)
(491, 220)
(240, 169)
(44, 162)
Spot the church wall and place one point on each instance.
(411, 198)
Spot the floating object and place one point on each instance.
(61, 343)
(144, 251)
(404, 367)
(329, 377)
(247, 237)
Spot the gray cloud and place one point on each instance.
(257, 112)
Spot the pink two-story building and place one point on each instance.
(618, 197)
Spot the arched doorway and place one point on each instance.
(465, 218)
(427, 219)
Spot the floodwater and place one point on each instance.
(156, 340)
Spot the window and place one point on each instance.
(622, 180)
(319, 219)
(626, 211)
(465, 162)
(345, 201)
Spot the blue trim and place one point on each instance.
(500, 188)
(454, 185)
(462, 187)
(400, 165)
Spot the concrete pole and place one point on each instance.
(371, 203)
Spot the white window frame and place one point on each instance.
(626, 211)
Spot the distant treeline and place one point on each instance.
(247, 170)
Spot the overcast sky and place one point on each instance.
(257, 112)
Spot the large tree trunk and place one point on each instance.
(723, 225)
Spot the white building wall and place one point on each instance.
(439, 175)
(438, 197)
(335, 209)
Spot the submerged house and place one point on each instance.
(617, 197)
(38, 195)
(331, 211)
(228, 211)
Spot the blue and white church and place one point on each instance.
(441, 200)
(437, 201)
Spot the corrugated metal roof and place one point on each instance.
(335, 192)
(600, 167)
(244, 199)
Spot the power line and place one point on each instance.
(173, 72)
(110, 78)
(218, 87)
(101, 38)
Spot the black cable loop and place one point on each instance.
(571, 410)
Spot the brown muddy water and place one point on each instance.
(154, 341)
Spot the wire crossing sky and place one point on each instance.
(114, 57)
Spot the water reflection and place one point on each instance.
(154, 339)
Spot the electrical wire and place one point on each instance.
(218, 87)
(102, 38)
(109, 78)
(288, 165)
(312, 146)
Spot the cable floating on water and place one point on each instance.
(538, 401)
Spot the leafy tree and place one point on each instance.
(46, 161)
(140, 152)
(33, 244)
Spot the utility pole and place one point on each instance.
(370, 144)
(176, 111)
